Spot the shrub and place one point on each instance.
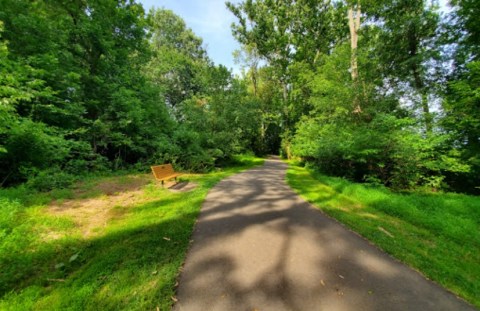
(49, 179)
(31, 146)
(387, 150)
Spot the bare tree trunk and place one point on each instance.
(285, 104)
(426, 113)
(354, 13)
(354, 23)
(254, 80)
(420, 86)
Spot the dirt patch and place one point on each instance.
(91, 215)
(115, 185)
(111, 200)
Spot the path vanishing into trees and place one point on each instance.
(258, 246)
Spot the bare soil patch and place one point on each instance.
(95, 206)
(115, 185)
(93, 214)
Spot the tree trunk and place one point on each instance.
(354, 13)
(426, 113)
(285, 91)
(427, 116)
(354, 23)
(285, 105)
(254, 80)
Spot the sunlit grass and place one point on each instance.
(438, 233)
(130, 262)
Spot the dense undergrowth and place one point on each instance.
(53, 258)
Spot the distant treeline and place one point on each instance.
(384, 92)
(96, 85)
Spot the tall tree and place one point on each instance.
(407, 36)
(467, 25)
(178, 57)
(249, 59)
(284, 33)
(354, 14)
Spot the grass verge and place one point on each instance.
(437, 234)
(52, 258)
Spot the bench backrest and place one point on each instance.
(162, 171)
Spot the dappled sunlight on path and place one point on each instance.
(258, 246)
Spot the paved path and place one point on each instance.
(258, 246)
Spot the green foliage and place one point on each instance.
(90, 89)
(178, 57)
(30, 147)
(12, 241)
(96, 85)
(462, 107)
(436, 233)
(49, 262)
(188, 151)
(467, 29)
(387, 149)
(377, 126)
(49, 179)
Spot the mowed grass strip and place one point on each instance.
(53, 258)
(437, 234)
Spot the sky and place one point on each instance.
(210, 20)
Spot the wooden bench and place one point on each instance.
(164, 172)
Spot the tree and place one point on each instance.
(467, 28)
(249, 59)
(408, 32)
(178, 57)
(285, 33)
(354, 14)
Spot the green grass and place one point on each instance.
(130, 263)
(437, 233)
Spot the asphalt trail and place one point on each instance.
(258, 246)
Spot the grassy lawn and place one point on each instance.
(110, 243)
(437, 234)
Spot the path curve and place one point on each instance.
(258, 246)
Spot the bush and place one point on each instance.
(31, 146)
(184, 151)
(387, 150)
(49, 179)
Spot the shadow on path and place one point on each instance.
(258, 246)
